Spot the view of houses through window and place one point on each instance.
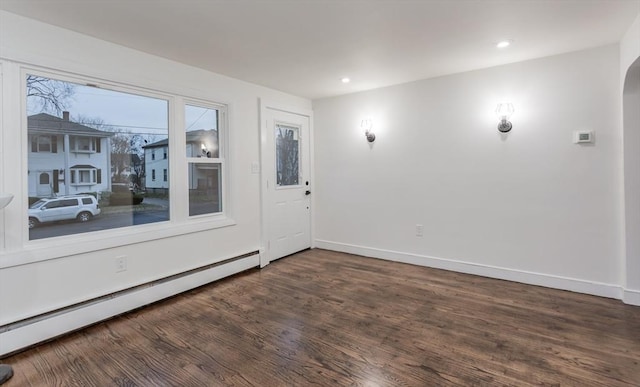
(205, 162)
(85, 141)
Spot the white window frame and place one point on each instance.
(2, 183)
(76, 173)
(37, 138)
(73, 144)
(179, 224)
(223, 147)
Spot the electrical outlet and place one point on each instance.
(419, 230)
(121, 263)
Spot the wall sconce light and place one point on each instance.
(366, 125)
(205, 151)
(504, 111)
(5, 199)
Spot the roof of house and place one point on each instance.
(192, 136)
(46, 123)
(83, 166)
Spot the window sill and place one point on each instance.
(63, 246)
(81, 184)
(81, 151)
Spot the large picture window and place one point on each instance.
(205, 158)
(88, 142)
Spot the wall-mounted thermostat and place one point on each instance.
(583, 137)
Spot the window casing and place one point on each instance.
(95, 141)
(205, 149)
(44, 143)
(81, 144)
(181, 221)
(85, 176)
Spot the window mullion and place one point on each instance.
(177, 160)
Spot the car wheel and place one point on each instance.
(33, 222)
(84, 216)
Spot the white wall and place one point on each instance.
(629, 47)
(529, 206)
(630, 80)
(39, 276)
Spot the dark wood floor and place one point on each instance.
(325, 318)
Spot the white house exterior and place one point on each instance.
(156, 164)
(65, 157)
(200, 143)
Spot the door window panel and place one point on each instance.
(287, 155)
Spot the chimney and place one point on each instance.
(65, 115)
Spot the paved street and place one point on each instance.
(101, 222)
(122, 216)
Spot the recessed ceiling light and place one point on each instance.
(504, 43)
(345, 80)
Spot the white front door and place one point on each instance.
(286, 177)
(44, 183)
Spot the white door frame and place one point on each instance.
(264, 207)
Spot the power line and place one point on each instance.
(105, 124)
(196, 121)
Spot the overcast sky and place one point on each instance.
(129, 112)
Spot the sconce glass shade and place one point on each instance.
(366, 124)
(504, 110)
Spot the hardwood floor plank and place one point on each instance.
(322, 318)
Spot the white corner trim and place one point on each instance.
(27, 335)
(531, 278)
(631, 297)
(264, 259)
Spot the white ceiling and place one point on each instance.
(304, 47)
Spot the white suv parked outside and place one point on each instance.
(80, 207)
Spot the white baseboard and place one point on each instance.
(631, 297)
(27, 335)
(531, 278)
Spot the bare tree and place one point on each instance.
(49, 95)
(121, 154)
(287, 157)
(122, 144)
(93, 122)
(127, 150)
